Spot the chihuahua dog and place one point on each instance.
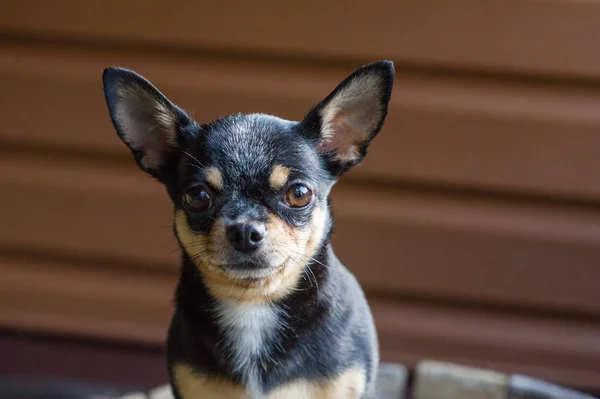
(263, 308)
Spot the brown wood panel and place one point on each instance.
(104, 211)
(448, 246)
(479, 250)
(467, 132)
(491, 97)
(85, 301)
(554, 349)
(93, 361)
(549, 37)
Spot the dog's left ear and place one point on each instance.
(343, 125)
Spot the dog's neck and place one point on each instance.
(240, 336)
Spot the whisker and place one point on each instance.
(202, 255)
(235, 281)
(303, 254)
(242, 296)
(197, 244)
(309, 270)
(310, 274)
(193, 157)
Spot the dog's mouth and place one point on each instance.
(252, 272)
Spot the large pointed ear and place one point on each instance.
(151, 125)
(343, 125)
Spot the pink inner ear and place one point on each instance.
(343, 138)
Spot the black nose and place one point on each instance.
(246, 237)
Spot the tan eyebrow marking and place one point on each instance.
(279, 176)
(214, 177)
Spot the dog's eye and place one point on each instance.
(197, 199)
(298, 196)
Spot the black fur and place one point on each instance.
(326, 332)
(326, 325)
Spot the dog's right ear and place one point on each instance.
(152, 126)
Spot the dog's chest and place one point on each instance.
(249, 331)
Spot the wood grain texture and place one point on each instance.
(435, 380)
(74, 301)
(85, 301)
(522, 387)
(511, 253)
(541, 37)
(31, 358)
(514, 136)
(496, 340)
(474, 223)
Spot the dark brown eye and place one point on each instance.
(297, 196)
(197, 199)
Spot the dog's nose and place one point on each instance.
(246, 237)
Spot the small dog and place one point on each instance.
(264, 309)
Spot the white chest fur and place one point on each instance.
(249, 328)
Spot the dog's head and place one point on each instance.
(250, 191)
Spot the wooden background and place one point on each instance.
(474, 224)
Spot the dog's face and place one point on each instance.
(249, 196)
(250, 191)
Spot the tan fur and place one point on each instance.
(279, 176)
(293, 247)
(214, 178)
(350, 384)
(192, 385)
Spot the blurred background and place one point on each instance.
(473, 225)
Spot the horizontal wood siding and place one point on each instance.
(474, 224)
